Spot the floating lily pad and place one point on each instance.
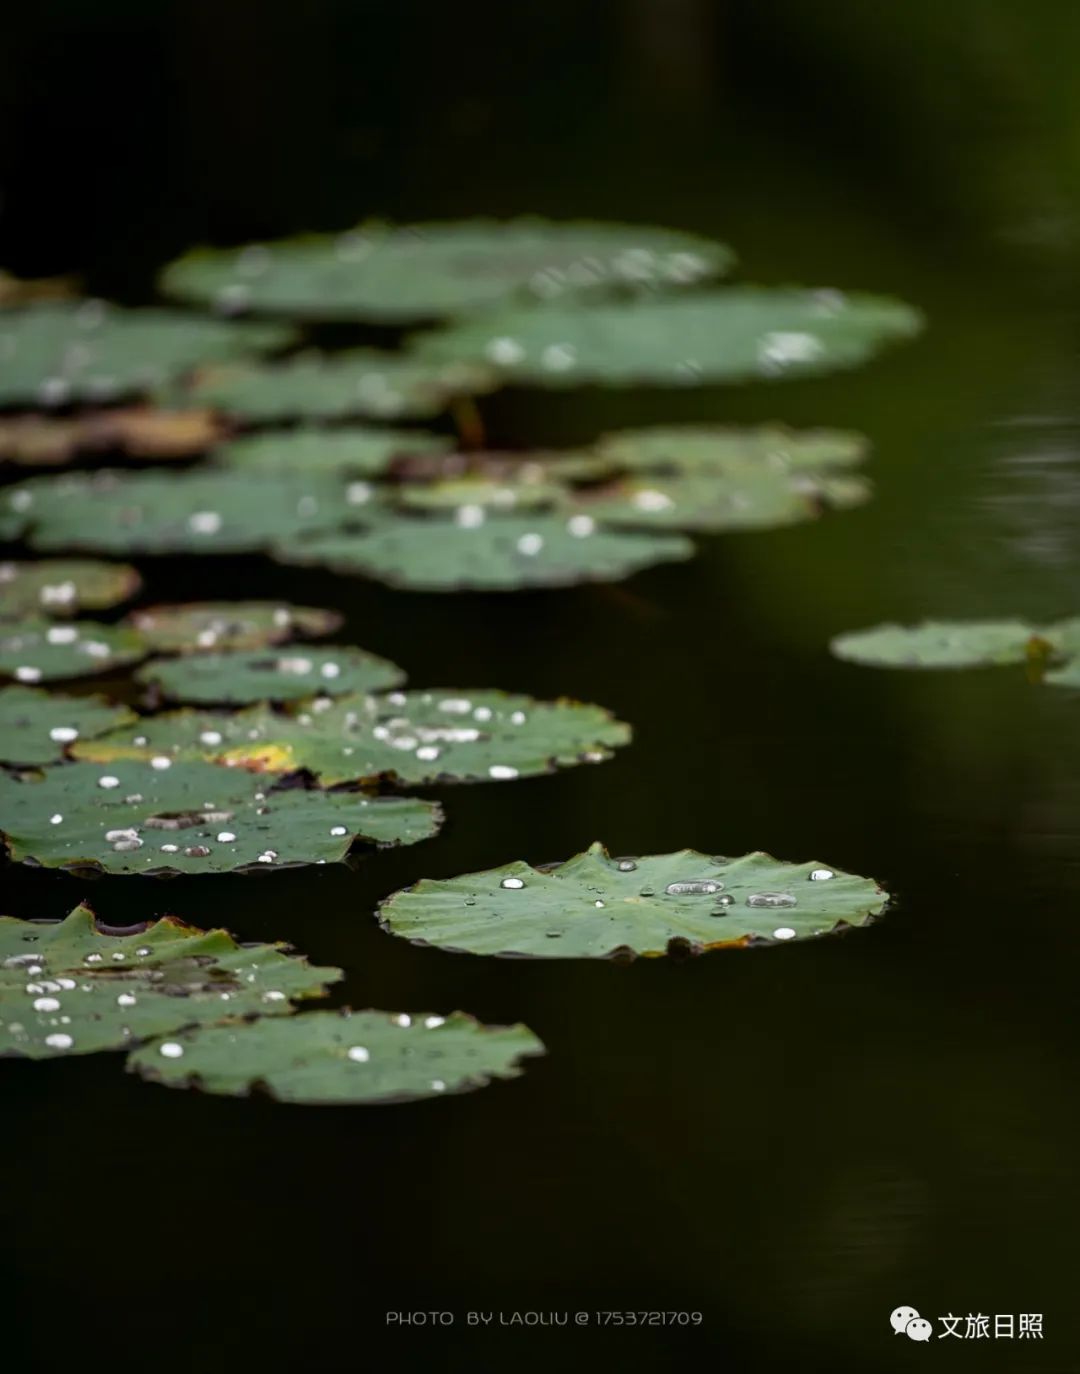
(177, 512)
(502, 554)
(157, 817)
(340, 1057)
(43, 440)
(56, 352)
(945, 644)
(420, 271)
(64, 586)
(70, 988)
(36, 727)
(40, 651)
(268, 675)
(729, 335)
(416, 737)
(594, 906)
(541, 467)
(707, 450)
(196, 627)
(356, 451)
(464, 495)
(362, 381)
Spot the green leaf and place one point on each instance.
(502, 554)
(594, 906)
(55, 352)
(159, 817)
(70, 988)
(944, 644)
(200, 511)
(442, 735)
(361, 451)
(710, 450)
(729, 335)
(64, 586)
(226, 625)
(466, 494)
(385, 386)
(263, 675)
(40, 651)
(36, 726)
(333, 1058)
(420, 271)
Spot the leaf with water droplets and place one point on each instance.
(341, 1057)
(44, 440)
(945, 644)
(59, 586)
(361, 381)
(73, 988)
(56, 352)
(463, 497)
(397, 273)
(200, 511)
(736, 334)
(159, 817)
(358, 451)
(41, 651)
(594, 906)
(414, 737)
(202, 626)
(717, 450)
(501, 554)
(266, 675)
(36, 727)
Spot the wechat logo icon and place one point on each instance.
(908, 1321)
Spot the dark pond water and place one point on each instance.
(791, 1142)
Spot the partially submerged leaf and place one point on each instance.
(414, 737)
(268, 675)
(40, 651)
(341, 1057)
(735, 334)
(71, 988)
(57, 352)
(36, 727)
(594, 906)
(362, 381)
(41, 440)
(359, 451)
(501, 554)
(63, 587)
(160, 817)
(419, 271)
(200, 511)
(707, 450)
(198, 627)
(943, 644)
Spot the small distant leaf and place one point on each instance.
(420, 271)
(356, 451)
(488, 493)
(40, 651)
(227, 625)
(199, 511)
(728, 335)
(340, 1057)
(265, 675)
(70, 988)
(134, 817)
(513, 469)
(36, 727)
(57, 352)
(314, 386)
(708, 450)
(942, 644)
(41, 440)
(63, 587)
(502, 554)
(594, 906)
(415, 737)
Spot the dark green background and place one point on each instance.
(792, 1142)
